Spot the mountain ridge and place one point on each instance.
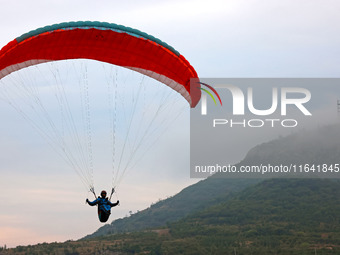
(306, 146)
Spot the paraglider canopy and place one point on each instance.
(49, 86)
(111, 43)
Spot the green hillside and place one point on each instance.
(276, 216)
(307, 146)
(291, 216)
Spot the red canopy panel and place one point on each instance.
(112, 46)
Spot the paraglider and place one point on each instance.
(116, 45)
(104, 206)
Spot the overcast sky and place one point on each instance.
(42, 200)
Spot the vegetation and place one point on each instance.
(277, 216)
